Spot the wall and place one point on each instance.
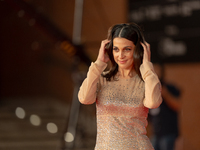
(186, 76)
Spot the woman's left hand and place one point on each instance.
(147, 52)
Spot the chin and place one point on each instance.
(124, 67)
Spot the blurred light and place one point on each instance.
(52, 128)
(20, 113)
(171, 30)
(21, 13)
(35, 120)
(153, 12)
(168, 47)
(32, 22)
(68, 48)
(69, 137)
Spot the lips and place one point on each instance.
(122, 61)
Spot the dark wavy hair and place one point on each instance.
(129, 31)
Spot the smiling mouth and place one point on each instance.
(122, 62)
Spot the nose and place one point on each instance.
(121, 54)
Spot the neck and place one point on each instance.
(126, 73)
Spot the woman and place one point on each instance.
(125, 92)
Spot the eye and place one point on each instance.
(115, 49)
(127, 49)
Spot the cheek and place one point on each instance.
(115, 55)
(130, 55)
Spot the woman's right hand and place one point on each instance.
(102, 52)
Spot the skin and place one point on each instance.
(123, 50)
(123, 54)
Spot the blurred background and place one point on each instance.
(46, 47)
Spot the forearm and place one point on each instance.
(87, 92)
(172, 101)
(153, 96)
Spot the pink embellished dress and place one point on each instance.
(122, 106)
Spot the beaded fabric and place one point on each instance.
(121, 111)
(121, 115)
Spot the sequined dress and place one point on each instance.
(121, 114)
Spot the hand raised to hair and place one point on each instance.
(147, 52)
(102, 52)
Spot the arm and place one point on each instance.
(87, 92)
(172, 101)
(153, 97)
(152, 86)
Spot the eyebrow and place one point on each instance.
(124, 47)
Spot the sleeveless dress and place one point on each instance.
(121, 114)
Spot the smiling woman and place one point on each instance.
(132, 34)
(123, 50)
(125, 92)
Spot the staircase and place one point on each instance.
(33, 62)
(20, 134)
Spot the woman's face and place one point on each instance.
(123, 52)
